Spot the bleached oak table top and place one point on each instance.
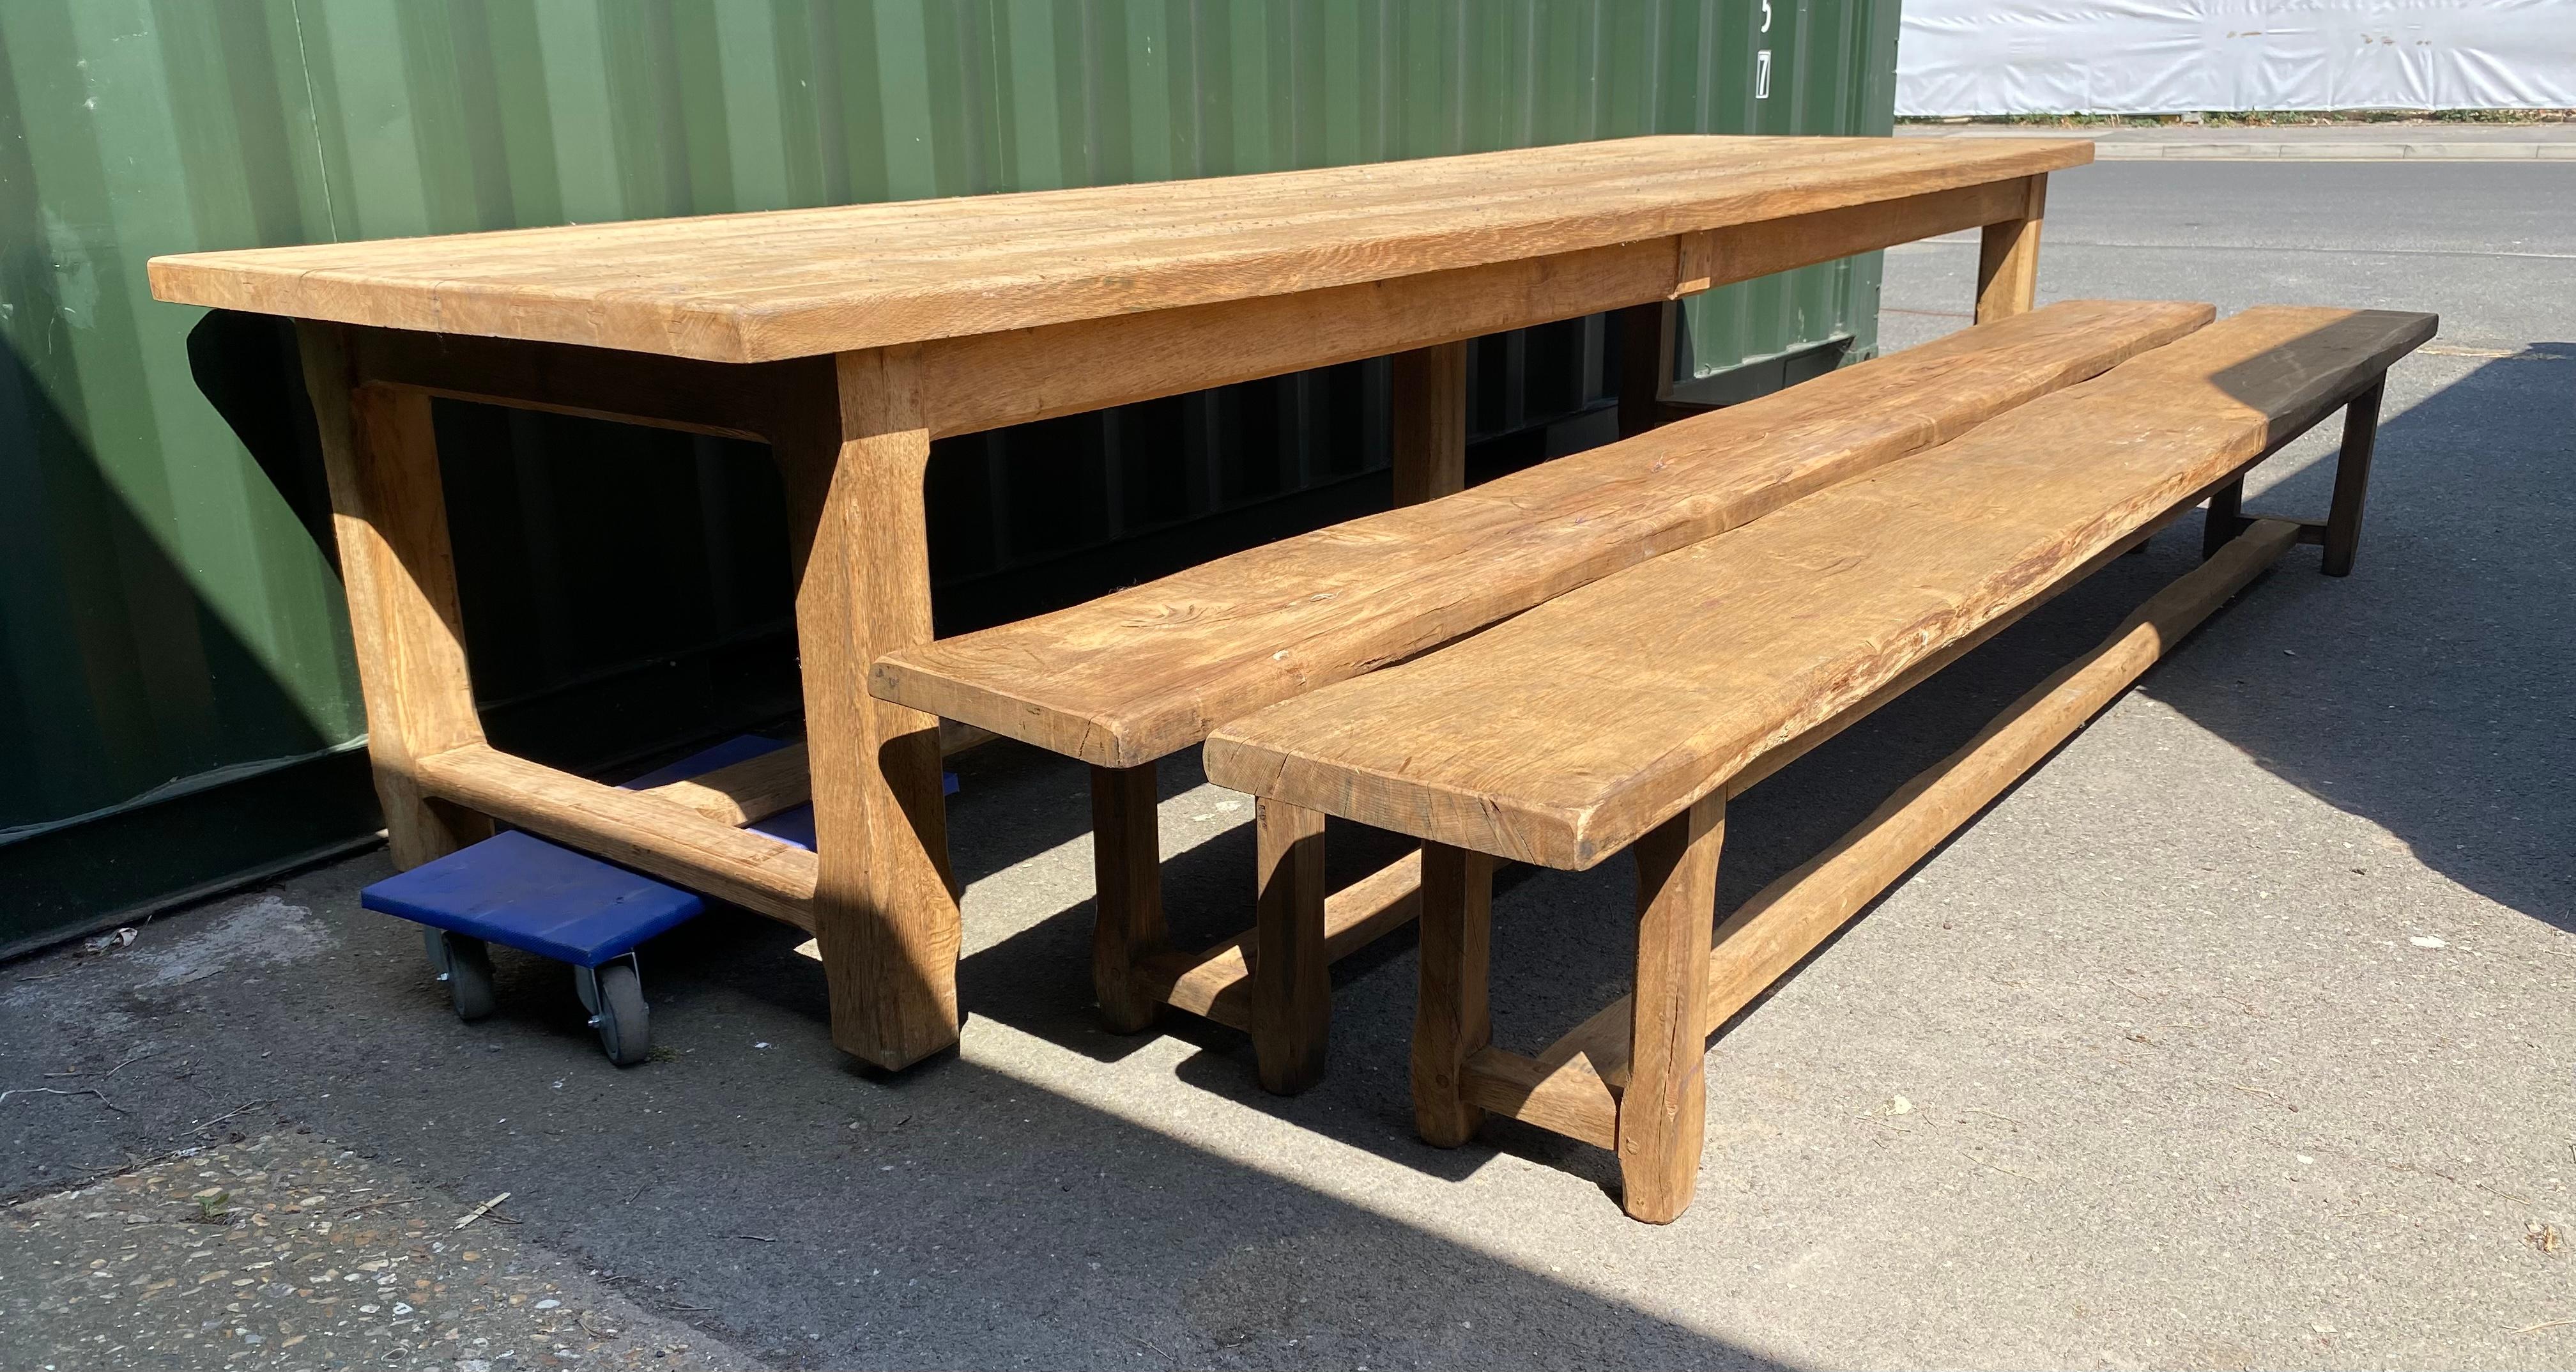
(783, 284)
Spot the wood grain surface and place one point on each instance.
(1292, 984)
(1135, 675)
(851, 458)
(1127, 923)
(795, 283)
(1562, 736)
(1451, 1019)
(1663, 1112)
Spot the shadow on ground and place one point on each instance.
(951, 1216)
(2427, 692)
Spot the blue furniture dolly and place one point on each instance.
(522, 892)
(519, 891)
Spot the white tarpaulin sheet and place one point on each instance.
(2175, 56)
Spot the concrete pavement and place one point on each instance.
(2414, 141)
(2237, 1035)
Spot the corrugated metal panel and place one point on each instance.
(167, 617)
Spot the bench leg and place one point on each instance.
(2225, 520)
(2352, 479)
(1291, 971)
(1127, 870)
(1450, 1018)
(1663, 1112)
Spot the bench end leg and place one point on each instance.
(1291, 970)
(2352, 479)
(1127, 923)
(1663, 1113)
(2225, 520)
(1450, 1018)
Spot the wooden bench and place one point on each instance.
(1621, 716)
(1124, 680)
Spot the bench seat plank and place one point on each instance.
(1133, 676)
(1563, 736)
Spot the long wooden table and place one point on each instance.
(849, 337)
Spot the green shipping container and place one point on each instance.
(177, 706)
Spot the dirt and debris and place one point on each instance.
(111, 941)
(288, 1251)
(480, 1211)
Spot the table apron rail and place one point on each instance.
(987, 381)
(990, 380)
(724, 399)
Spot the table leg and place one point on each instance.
(2008, 259)
(853, 454)
(1645, 364)
(390, 516)
(1663, 1113)
(1430, 422)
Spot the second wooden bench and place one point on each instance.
(1621, 716)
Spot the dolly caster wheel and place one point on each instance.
(465, 968)
(613, 992)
